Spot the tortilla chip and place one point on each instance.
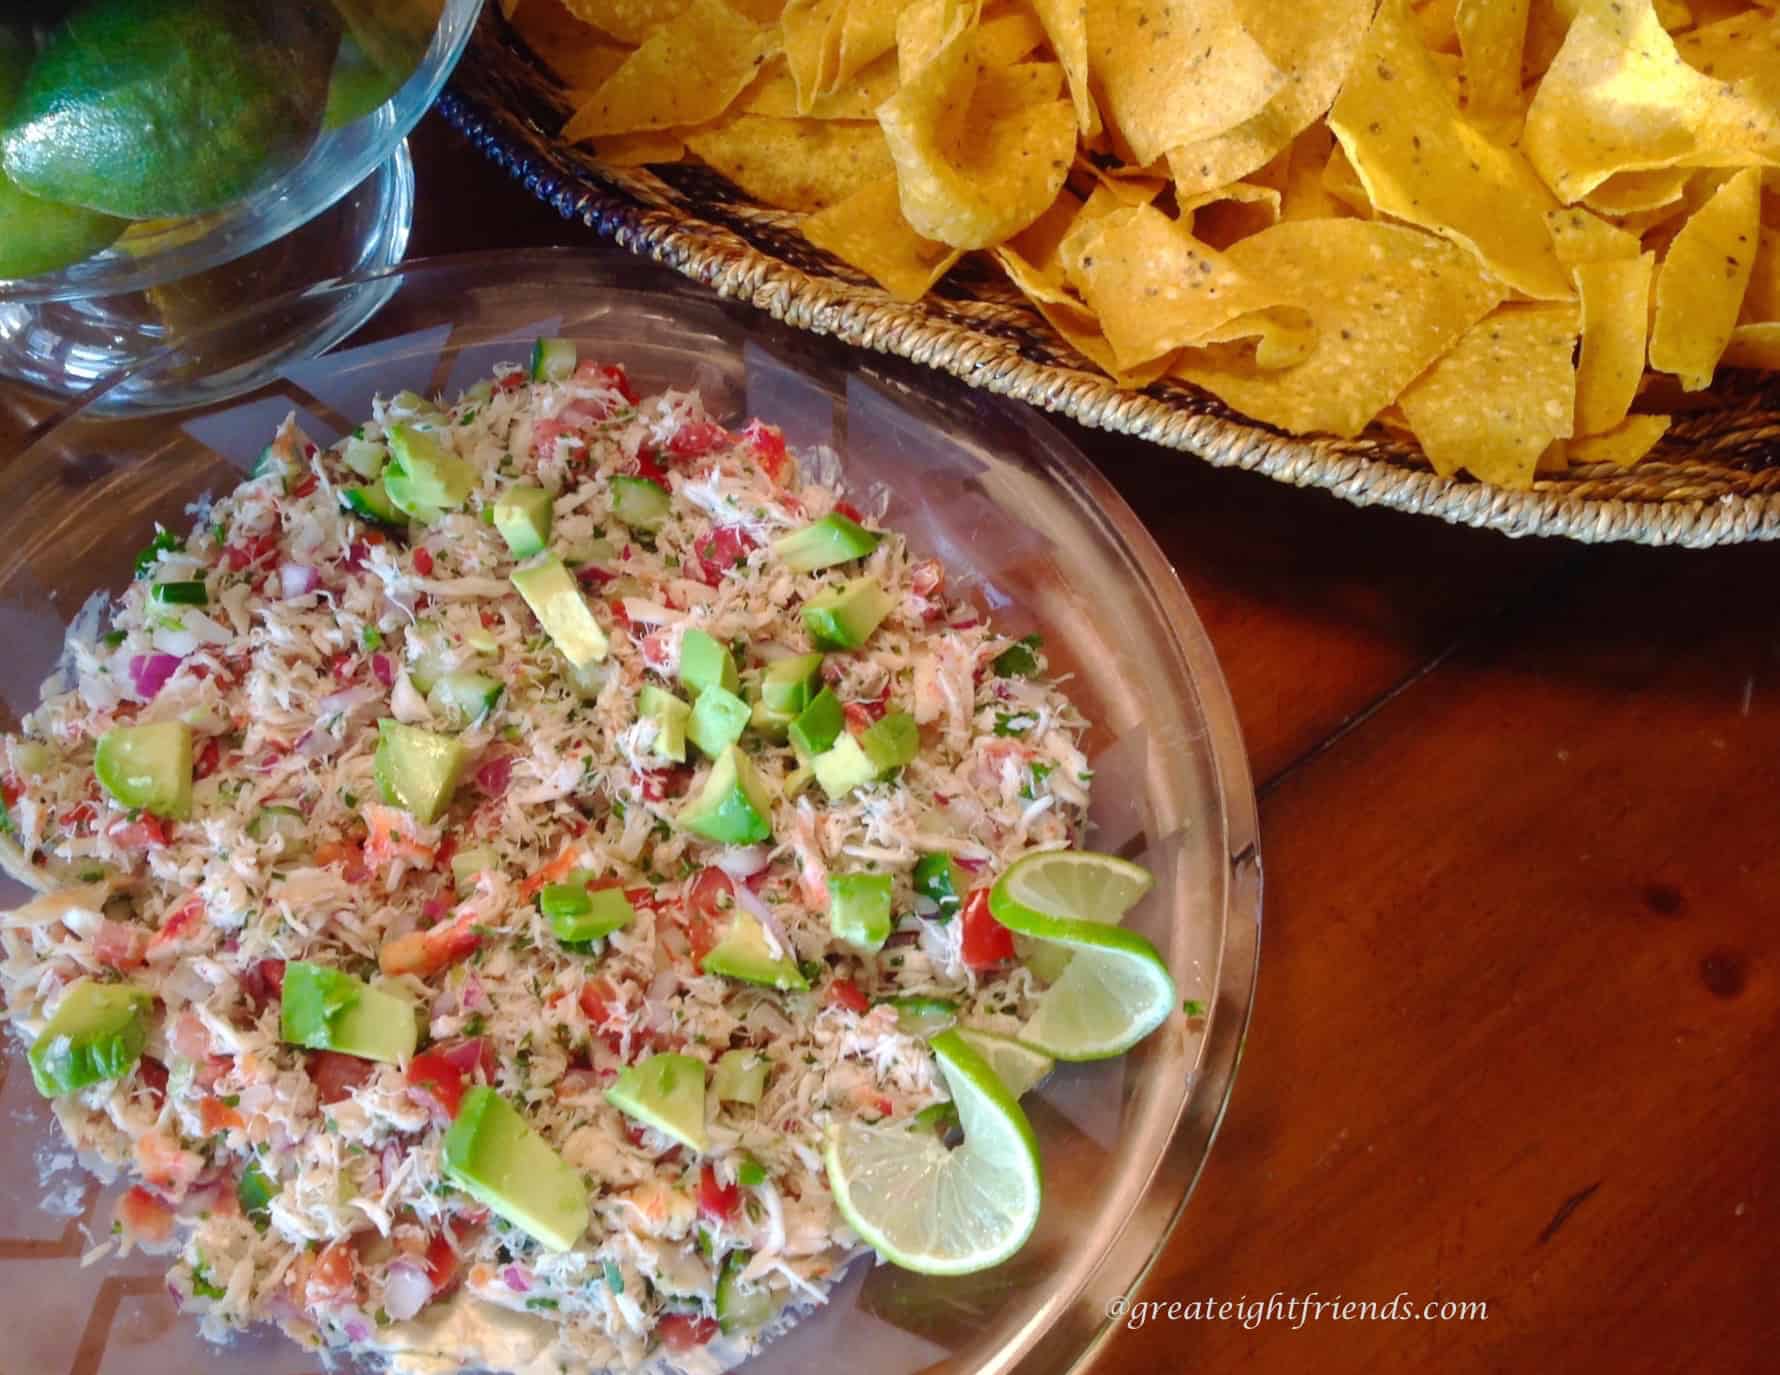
(580, 58)
(973, 175)
(1754, 346)
(1082, 332)
(1302, 193)
(1761, 303)
(1699, 292)
(687, 72)
(1618, 98)
(795, 164)
(829, 42)
(649, 148)
(1547, 23)
(1386, 301)
(1579, 237)
(1031, 257)
(1232, 212)
(1172, 72)
(1629, 193)
(1615, 321)
(1314, 45)
(628, 21)
(775, 93)
(1492, 35)
(1066, 25)
(1422, 161)
(1154, 287)
(868, 231)
(1628, 442)
(1008, 37)
(1342, 184)
(1437, 24)
(1498, 399)
(1736, 48)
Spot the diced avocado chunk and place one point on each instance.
(148, 767)
(284, 822)
(744, 954)
(553, 360)
(859, 908)
(844, 617)
(705, 661)
(577, 913)
(818, 725)
(788, 685)
(372, 503)
(365, 457)
(425, 479)
(769, 722)
(495, 1156)
(919, 1015)
(639, 502)
(739, 1076)
(797, 780)
(255, 1192)
(670, 715)
(462, 699)
(844, 767)
(743, 1307)
(556, 601)
(891, 742)
(466, 864)
(833, 539)
(718, 720)
(329, 1009)
(940, 881)
(417, 769)
(97, 1033)
(666, 1092)
(523, 516)
(733, 808)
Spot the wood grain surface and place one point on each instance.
(1516, 1036)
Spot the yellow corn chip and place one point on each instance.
(1315, 44)
(1342, 185)
(1761, 303)
(795, 164)
(1171, 72)
(1615, 322)
(1699, 292)
(1031, 258)
(1618, 98)
(1066, 25)
(1492, 35)
(972, 175)
(1422, 161)
(581, 59)
(1008, 37)
(868, 231)
(1630, 441)
(1155, 288)
(1754, 346)
(1745, 45)
(629, 21)
(1497, 400)
(1303, 195)
(1386, 301)
(688, 71)
(1233, 212)
(1081, 330)
(648, 148)
(828, 42)
(1579, 237)
(1629, 193)
(775, 93)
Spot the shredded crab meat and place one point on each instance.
(308, 1187)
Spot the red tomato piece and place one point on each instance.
(716, 1201)
(263, 984)
(768, 444)
(986, 942)
(119, 945)
(336, 1075)
(845, 993)
(423, 563)
(709, 902)
(177, 926)
(143, 1217)
(216, 1116)
(850, 511)
(720, 551)
(334, 1278)
(698, 438)
(609, 375)
(209, 758)
(305, 487)
(11, 789)
(154, 1078)
(445, 1071)
(681, 1332)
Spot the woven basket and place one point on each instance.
(1715, 478)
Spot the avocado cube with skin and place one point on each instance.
(97, 1033)
(818, 725)
(844, 617)
(323, 1008)
(718, 720)
(859, 908)
(705, 661)
(522, 515)
(666, 1092)
(494, 1155)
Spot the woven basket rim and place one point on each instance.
(1685, 497)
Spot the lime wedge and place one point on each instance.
(933, 1210)
(1019, 1067)
(1115, 990)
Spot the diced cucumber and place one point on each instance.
(742, 1307)
(148, 767)
(372, 503)
(416, 769)
(366, 457)
(670, 715)
(553, 360)
(164, 542)
(717, 721)
(891, 742)
(466, 864)
(462, 699)
(285, 822)
(191, 592)
(739, 1076)
(833, 539)
(639, 502)
(818, 725)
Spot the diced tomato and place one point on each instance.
(154, 1078)
(682, 1332)
(644, 465)
(654, 648)
(423, 563)
(985, 942)
(860, 715)
(447, 848)
(607, 374)
(546, 433)
(78, 815)
(142, 1217)
(598, 1000)
(146, 832)
(720, 551)
(209, 758)
(510, 381)
(334, 1278)
(441, 1262)
(252, 552)
(176, 927)
(263, 984)
(718, 1202)
(768, 443)
(119, 945)
(340, 852)
(709, 903)
(445, 1071)
(591, 575)
(845, 993)
(698, 438)
(850, 511)
(616, 606)
(305, 487)
(336, 1075)
(11, 789)
(215, 1116)
(657, 785)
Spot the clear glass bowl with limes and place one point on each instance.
(1017, 514)
(164, 162)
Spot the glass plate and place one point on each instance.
(1018, 515)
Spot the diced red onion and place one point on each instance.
(406, 1289)
(516, 1279)
(383, 670)
(475, 1000)
(494, 773)
(346, 701)
(297, 580)
(739, 861)
(358, 1330)
(149, 672)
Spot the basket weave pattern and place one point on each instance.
(1714, 479)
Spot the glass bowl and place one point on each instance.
(352, 193)
(1017, 514)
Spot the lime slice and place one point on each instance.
(1115, 990)
(937, 1211)
(1019, 1067)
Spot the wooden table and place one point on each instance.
(1516, 1036)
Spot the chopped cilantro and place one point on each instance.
(165, 541)
(1193, 1007)
(371, 637)
(1019, 660)
(1013, 723)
